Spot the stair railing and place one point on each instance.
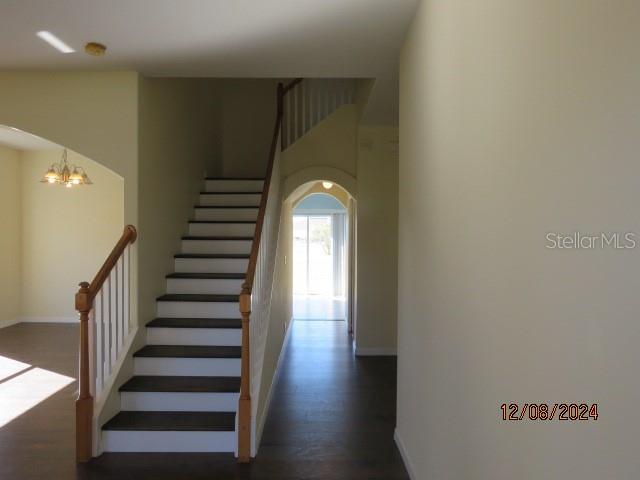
(310, 101)
(105, 323)
(259, 276)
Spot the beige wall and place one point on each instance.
(66, 233)
(337, 148)
(331, 143)
(281, 310)
(248, 114)
(377, 241)
(93, 113)
(518, 119)
(175, 151)
(10, 239)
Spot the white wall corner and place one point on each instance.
(376, 352)
(74, 319)
(265, 410)
(8, 322)
(405, 455)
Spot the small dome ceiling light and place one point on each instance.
(95, 49)
(327, 185)
(65, 174)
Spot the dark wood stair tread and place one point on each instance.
(208, 276)
(211, 255)
(155, 383)
(216, 237)
(188, 351)
(195, 323)
(197, 297)
(173, 421)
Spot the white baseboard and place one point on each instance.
(376, 352)
(8, 322)
(276, 373)
(49, 319)
(405, 456)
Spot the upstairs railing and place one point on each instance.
(105, 323)
(310, 101)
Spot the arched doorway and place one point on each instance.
(322, 257)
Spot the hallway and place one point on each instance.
(318, 307)
(332, 416)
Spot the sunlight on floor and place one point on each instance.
(9, 367)
(318, 307)
(26, 390)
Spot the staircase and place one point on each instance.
(195, 378)
(184, 394)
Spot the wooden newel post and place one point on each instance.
(244, 408)
(84, 403)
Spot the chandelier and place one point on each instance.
(65, 174)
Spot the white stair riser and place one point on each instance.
(204, 286)
(234, 185)
(213, 229)
(164, 441)
(179, 402)
(216, 246)
(194, 336)
(204, 367)
(211, 265)
(198, 310)
(226, 214)
(250, 200)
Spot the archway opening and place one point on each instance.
(322, 254)
(54, 236)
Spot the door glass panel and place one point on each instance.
(320, 262)
(300, 254)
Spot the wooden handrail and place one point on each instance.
(244, 405)
(84, 303)
(292, 84)
(247, 286)
(129, 236)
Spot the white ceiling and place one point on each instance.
(19, 140)
(212, 38)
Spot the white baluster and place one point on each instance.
(108, 352)
(116, 307)
(113, 313)
(127, 280)
(99, 318)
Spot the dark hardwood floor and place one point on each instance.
(332, 417)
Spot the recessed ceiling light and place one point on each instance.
(55, 42)
(327, 185)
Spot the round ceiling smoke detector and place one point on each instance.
(95, 49)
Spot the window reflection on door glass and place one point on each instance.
(300, 223)
(320, 256)
(312, 255)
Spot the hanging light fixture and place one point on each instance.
(65, 174)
